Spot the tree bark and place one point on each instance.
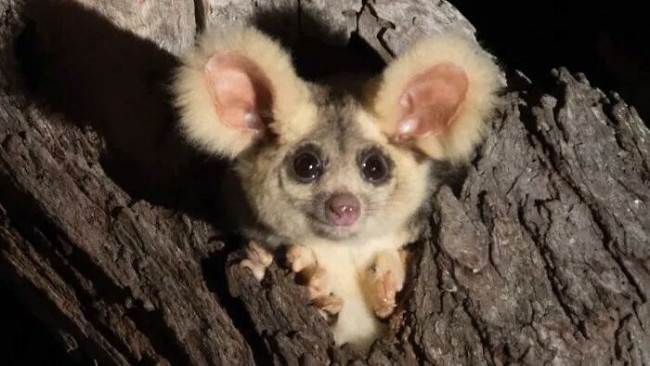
(109, 235)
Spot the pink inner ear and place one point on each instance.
(430, 101)
(240, 92)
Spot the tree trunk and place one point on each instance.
(109, 235)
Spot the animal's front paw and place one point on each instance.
(258, 259)
(384, 279)
(303, 262)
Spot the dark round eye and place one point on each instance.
(374, 166)
(307, 165)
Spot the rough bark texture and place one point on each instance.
(108, 237)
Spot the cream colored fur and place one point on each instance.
(348, 265)
(482, 74)
(274, 199)
(199, 119)
(384, 229)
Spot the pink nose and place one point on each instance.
(342, 209)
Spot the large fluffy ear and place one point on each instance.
(233, 88)
(437, 95)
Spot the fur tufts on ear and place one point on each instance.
(234, 88)
(437, 95)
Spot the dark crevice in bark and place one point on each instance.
(487, 219)
(538, 236)
(26, 218)
(480, 330)
(426, 250)
(214, 271)
(608, 243)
